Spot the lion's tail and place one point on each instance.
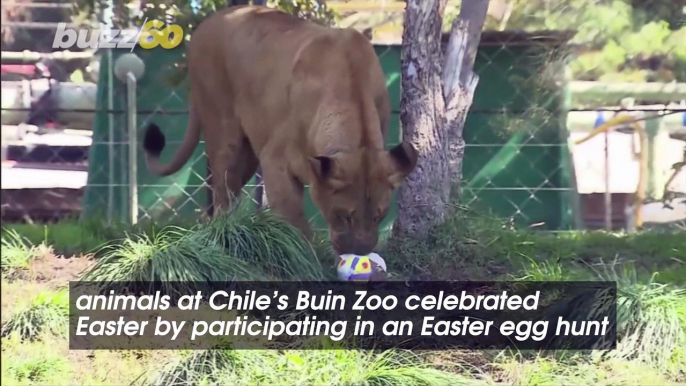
(154, 142)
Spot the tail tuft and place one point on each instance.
(154, 141)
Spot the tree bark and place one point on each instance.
(434, 103)
(423, 198)
(459, 79)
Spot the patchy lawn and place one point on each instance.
(38, 262)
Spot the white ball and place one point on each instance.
(126, 63)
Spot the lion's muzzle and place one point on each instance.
(355, 243)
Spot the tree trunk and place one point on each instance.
(423, 198)
(433, 107)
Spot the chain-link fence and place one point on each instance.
(553, 73)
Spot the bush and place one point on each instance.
(240, 245)
(17, 253)
(48, 312)
(300, 367)
(651, 323)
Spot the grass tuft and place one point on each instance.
(392, 368)
(237, 246)
(264, 240)
(577, 370)
(651, 319)
(17, 253)
(544, 271)
(47, 312)
(459, 249)
(168, 256)
(192, 367)
(303, 367)
(33, 363)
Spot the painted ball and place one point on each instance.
(360, 268)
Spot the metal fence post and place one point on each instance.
(110, 138)
(107, 23)
(608, 188)
(129, 68)
(131, 115)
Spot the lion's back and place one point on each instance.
(276, 65)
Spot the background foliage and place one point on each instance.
(616, 40)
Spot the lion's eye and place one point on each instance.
(343, 217)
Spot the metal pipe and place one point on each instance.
(131, 116)
(106, 28)
(608, 193)
(642, 175)
(111, 138)
(24, 57)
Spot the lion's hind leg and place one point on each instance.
(232, 163)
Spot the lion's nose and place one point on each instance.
(360, 245)
(362, 249)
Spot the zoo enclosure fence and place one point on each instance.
(517, 161)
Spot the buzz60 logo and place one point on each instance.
(149, 36)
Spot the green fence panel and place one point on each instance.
(514, 165)
(161, 198)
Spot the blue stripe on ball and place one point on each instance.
(359, 276)
(354, 263)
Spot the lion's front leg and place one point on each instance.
(285, 196)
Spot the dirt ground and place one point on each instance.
(58, 270)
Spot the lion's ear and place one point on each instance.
(404, 159)
(368, 33)
(322, 167)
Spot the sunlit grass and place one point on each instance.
(47, 312)
(18, 253)
(304, 367)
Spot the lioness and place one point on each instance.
(306, 102)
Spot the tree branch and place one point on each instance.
(459, 78)
(472, 19)
(465, 35)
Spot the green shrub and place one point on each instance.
(303, 367)
(236, 246)
(264, 240)
(652, 325)
(48, 312)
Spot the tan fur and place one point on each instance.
(307, 103)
